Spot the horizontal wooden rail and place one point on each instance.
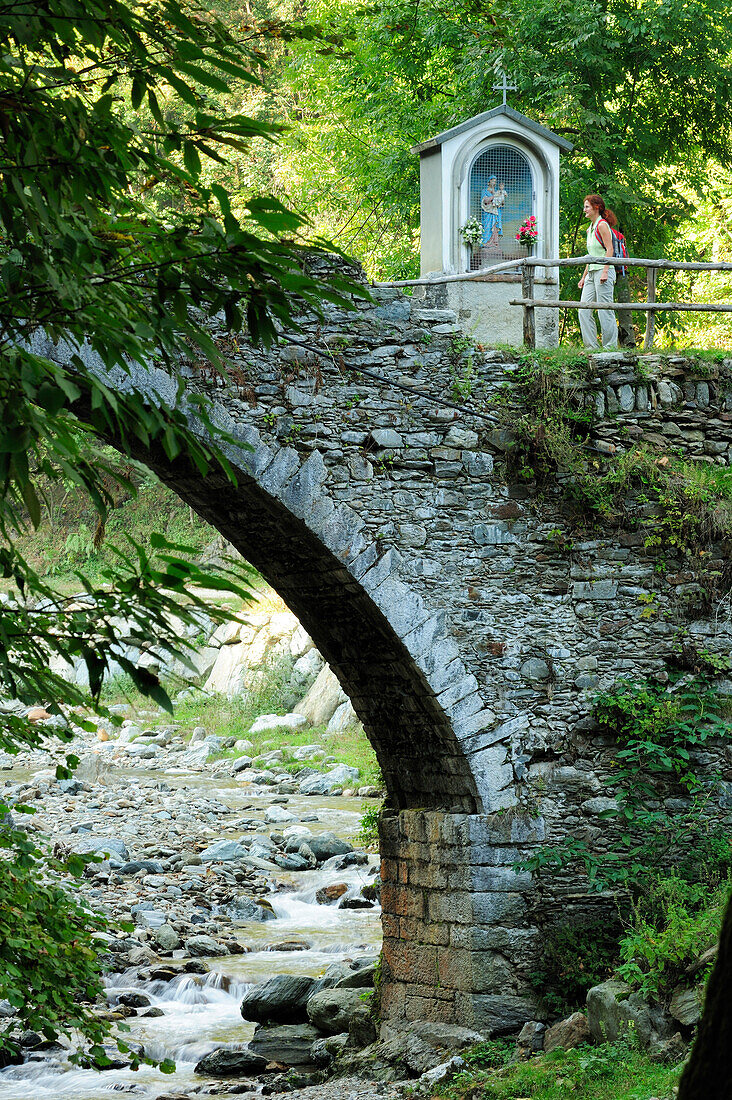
(527, 266)
(464, 277)
(644, 307)
(626, 261)
(567, 261)
(650, 307)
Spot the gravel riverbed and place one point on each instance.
(226, 875)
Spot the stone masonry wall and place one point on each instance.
(468, 620)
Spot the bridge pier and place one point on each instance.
(460, 934)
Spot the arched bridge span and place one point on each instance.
(467, 623)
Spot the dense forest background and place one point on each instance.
(640, 88)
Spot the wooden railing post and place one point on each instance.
(527, 293)
(651, 274)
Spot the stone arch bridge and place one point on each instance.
(465, 624)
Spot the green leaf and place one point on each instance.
(31, 502)
(209, 80)
(191, 158)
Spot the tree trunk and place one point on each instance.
(708, 1074)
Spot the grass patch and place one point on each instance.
(613, 1071)
(267, 692)
(559, 360)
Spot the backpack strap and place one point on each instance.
(597, 231)
(614, 236)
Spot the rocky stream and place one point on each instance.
(227, 880)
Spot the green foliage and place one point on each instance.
(104, 105)
(639, 91)
(375, 997)
(492, 1054)
(573, 959)
(86, 257)
(612, 1071)
(462, 367)
(563, 361)
(50, 970)
(669, 932)
(79, 545)
(368, 831)
(671, 867)
(680, 506)
(266, 692)
(658, 727)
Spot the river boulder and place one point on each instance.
(223, 1062)
(323, 698)
(280, 999)
(418, 1047)
(102, 846)
(331, 1009)
(278, 815)
(278, 722)
(340, 776)
(223, 850)
(166, 938)
(288, 1043)
(326, 845)
(356, 974)
(247, 909)
(325, 1050)
(205, 946)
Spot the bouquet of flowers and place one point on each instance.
(472, 232)
(528, 233)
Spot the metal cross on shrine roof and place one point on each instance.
(504, 86)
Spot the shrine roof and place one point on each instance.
(477, 120)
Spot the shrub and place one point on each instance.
(573, 959)
(666, 938)
(368, 833)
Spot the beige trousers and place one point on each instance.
(595, 291)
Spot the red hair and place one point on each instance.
(599, 204)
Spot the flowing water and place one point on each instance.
(201, 1012)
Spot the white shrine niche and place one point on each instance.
(499, 167)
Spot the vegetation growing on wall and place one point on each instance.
(680, 507)
(573, 959)
(669, 856)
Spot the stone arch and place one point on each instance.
(471, 651)
(391, 653)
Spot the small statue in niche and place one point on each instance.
(492, 201)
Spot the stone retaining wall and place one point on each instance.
(675, 403)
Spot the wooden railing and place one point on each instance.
(651, 306)
(528, 266)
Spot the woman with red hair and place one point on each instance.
(598, 281)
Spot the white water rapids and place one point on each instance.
(201, 1012)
